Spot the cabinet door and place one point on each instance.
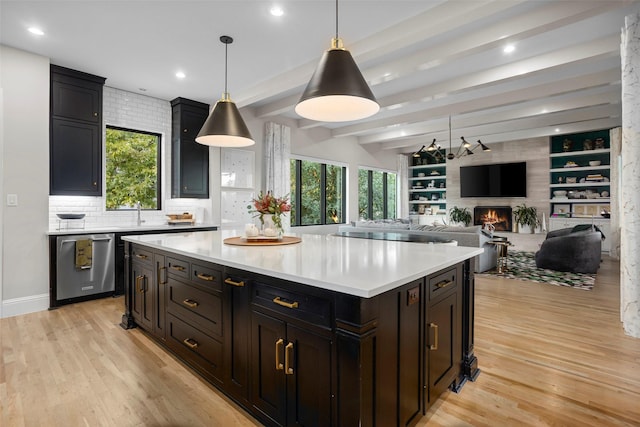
(76, 99)
(443, 344)
(194, 170)
(308, 371)
(142, 296)
(160, 285)
(75, 159)
(268, 392)
(236, 335)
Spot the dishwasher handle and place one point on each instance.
(99, 239)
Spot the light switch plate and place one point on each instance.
(12, 200)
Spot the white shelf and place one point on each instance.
(422, 178)
(581, 153)
(582, 184)
(424, 202)
(580, 201)
(430, 190)
(581, 168)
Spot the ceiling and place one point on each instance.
(426, 61)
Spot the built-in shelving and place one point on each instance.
(427, 170)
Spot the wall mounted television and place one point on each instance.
(496, 180)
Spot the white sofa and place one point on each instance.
(465, 236)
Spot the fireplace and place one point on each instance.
(498, 216)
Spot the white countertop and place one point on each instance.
(359, 267)
(126, 228)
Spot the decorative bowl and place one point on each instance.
(594, 162)
(560, 193)
(70, 215)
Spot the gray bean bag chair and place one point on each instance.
(577, 250)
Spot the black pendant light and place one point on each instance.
(224, 127)
(337, 92)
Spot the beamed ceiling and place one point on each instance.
(425, 60)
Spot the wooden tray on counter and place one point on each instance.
(242, 241)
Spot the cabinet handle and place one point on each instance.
(184, 130)
(444, 284)
(141, 256)
(178, 268)
(207, 277)
(95, 183)
(160, 270)
(288, 350)
(232, 283)
(95, 114)
(190, 303)
(191, 343)
(279, 301)
(139, 286)
(279, 365)
(434, 346)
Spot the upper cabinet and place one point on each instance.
(580, 171)
(75, 137)
(189, 160)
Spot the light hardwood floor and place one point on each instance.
(550, 356)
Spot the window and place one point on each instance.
(132, 169)
(376, 194)
(317, 193)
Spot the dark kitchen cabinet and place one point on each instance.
(144, 289)
(443, 342)
(291, 373)
(75, 144)
(189, 160)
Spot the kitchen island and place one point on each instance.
(329, 331)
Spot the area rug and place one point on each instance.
(522, 266)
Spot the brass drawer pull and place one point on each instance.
(139, 284)
(141, 256)
(444, 284)
(279, 365)
(162, 281)
(279, 301)
(207, 277)
(434, 346)
(288, 355)
(178, 267)
(190, 303)
(232, 283)
(191, 343)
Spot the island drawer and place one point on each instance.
(443, 284)
(300, 305)
(195, 306)
(206, 276)
(195, 347)
(178, 267)
(142, 255)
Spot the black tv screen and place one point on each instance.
(498, 180)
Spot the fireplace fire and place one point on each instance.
(498, 216)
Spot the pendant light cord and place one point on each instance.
(226, 50)
(336, 19)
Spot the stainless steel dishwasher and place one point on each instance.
(96, 275)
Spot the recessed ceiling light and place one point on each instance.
(276, 11)
(509, 48)
(544, 111)
(180, 75)
(35, 30)
(557, 130)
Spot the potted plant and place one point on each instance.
(526, 217)
(460, 215)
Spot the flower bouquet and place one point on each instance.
(272, 207)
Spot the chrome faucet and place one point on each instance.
(139, 209)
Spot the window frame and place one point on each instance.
(296, 219)
(385, 190)
(158, 135)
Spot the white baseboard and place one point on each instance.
(24, 305)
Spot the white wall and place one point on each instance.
(25, 157)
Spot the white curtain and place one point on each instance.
(277, 153)
(402, 162)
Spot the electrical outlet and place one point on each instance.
(413, 295)
(12, 200)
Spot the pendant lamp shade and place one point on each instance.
(337, 92)
(224, 127)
